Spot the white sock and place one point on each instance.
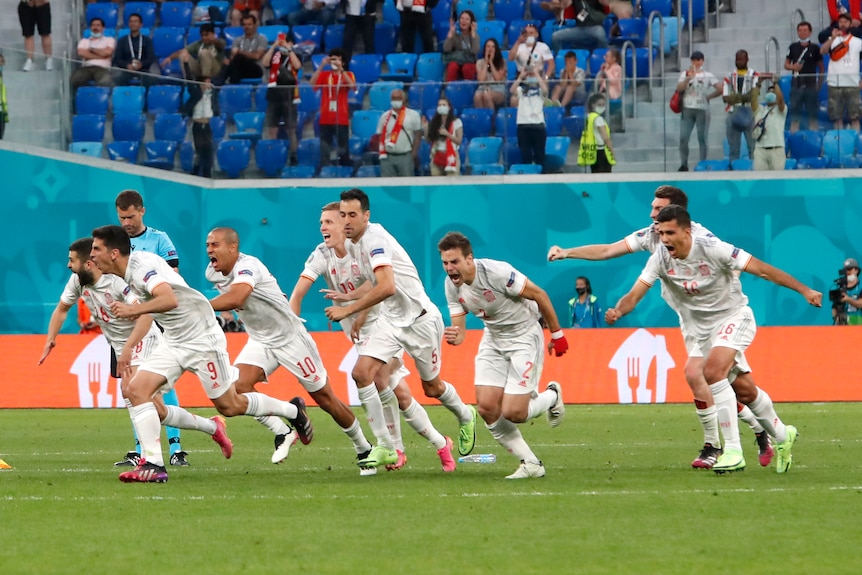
(260, 404)
(274, 424)
(417, 418)
(392, 417)
(745, 414)
(725, 404)
(709, 421)
(541, 403)
(451, 401)
(354, 432)
(147, 425)
(179, 417)
(374, 413)
(509, 436)
(764, 410)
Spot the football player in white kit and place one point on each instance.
(700, 275)
(193, 341)
(276, 337)
(132, 341)
(407, 321)
(646, 239)
(345, 283)
(511, 354)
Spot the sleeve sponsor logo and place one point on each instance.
(734, 253)
(244, 273)
(148, 275)
(511, 281)
(127, 290)
(172, 253)
(376, 252)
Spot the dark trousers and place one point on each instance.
(341, 134)
(531, 142)
(202, 135)
(365, 26)
(602, 166)
(240, 68)
(412, 22)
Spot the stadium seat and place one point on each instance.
(235, 98)
(309, 98)
(402, 67)
(299, 172)
(125, 32)
(91, 149)
(477, 122)
(176, 14)
(231, 33)
(663, 7)
(366, 67)
(336, 172)
(429, 67)
(368, 172)
(164, 98)
(391, 13)
(424, 95)
(169, 127)
(805, 144)
(524, 169)
(333, 36)
(193, 35)
(697, 10)
(554, 120)
(124, 151)
(88, 128)
(487, 169)
(442, 11)
(838, 144)
(556, 150)
(844, 162)
(546, 32)
(146, 10)
(380, 93)
(271, 32)
(539, 13)
(784, 83)
(631, 29)
(790, 164)
(218, 125)
(109, 32)
(308, 33)
(508, 11)
(641, 56)
(271, 156)
(187, 157)
(281, 9)
(128, 99)
(363, 124)
(233, 156)
(818, 163)
(223, 6)
(511, 151)
(92, 100)
(484, 150)
(460, 94)
(712, 166)
(574, 126)
(671, 33)
(478, 7)
(506, 123)
(743, 148)
(385, 37)
(167, 40)
(742, 165)
(308, 152)
(249, 126)
(109, 12)
(597, 58)
(583, 58)
(161, 154)
(129, 127)
(487, 29)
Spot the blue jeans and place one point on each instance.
(734, 139)
(689, 119)
(324, 17)
(579, 37)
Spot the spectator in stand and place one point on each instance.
(359, 16)
(596, 149)
(201, 106)
(836, 8)
(770, 117)
(246, 53)
(33, 15)
(843, 74)
(698, 87)
(206, 57)
(96, 52)
(320, 12)
(806, 62)
(529, 52)
(461, 48)
(134, 55)
(244, 7)
(610, 75)
(584, 308)
(416, 18)
(85, 319)
(736, 93)
(400, 133)
(531, 89)
(570, 90)
(4, 104)
(282, 93)
(334, 85)
(588, 32)
(491, 71)
(445, 134)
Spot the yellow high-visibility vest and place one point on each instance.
(588, 152)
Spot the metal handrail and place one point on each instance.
(794, 23)
(770, 41)
(628, 44)
(820, 9)
(653, 15)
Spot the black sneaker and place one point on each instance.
(707, 458)
(683, 168)
(301, 423)
(179, 458)
(132, 459)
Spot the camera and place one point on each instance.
(840, 289)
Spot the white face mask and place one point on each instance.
(530, 40)
(804, 40)
(95, 35)
(396, 104)
(443, 110)
(599, 110)
(851, 278)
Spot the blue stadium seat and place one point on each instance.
(366, 67)
(146, 10)
(460, 94)
(582, 55)
(363, 124)
(401, 66)
(233, 156)
(784, 83)
(839, 144)
(380, 93)
(385, 37)
(128, 99)
(506, 123)
(91, 149)
(231, 33)
(490, 29)
(524, 169)
(164, 98)
(508, 10)
(539, 13)
(249, 126)
(631, 29)
(161, 154)
(641, 56)
(235, 98)
(169, 127)
(260, 102)
(844, 162)
(308, 33)
(271, 32)
(223, 6)
(271, 156)
(167, 40)
(712, 166)
(697, 10)
(484, 150)
(368, 172)
(554, 120)
(281, 9)
(129, 127)
(391, 13)
(109, 12)
(663, 7)
(429, 67)
(424, 95)
(477, 122)
(176, 14)
(742, 165)
(124, 151)
(574, 125)
(88, 128)
(336, 172)
(193, 35)
(333, 36)
(805, 144)
(125, 32)
(546, 32)
(92, 100)
(487, 169)
(818, 163)
(479, 8)
(299, 172)
(442, 11)
(308, 152)
(556, 150)
(309, 99)
(790, 164)
(218, 125)
(671, 34)
(597, 58)
(743, 148)
(511, 151)
(187, 157)
(109, 32)
(441, 30)
(462, 153)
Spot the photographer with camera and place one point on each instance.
(846, 298)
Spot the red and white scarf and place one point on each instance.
(396, 130)
(447, 158)
(418, 6)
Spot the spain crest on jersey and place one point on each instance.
(489, 295)
(704, 270)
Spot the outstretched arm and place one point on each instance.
(627, 303)
(764, 270)
(234, 298)
(303, 284)
(57, 318)
(594, 252)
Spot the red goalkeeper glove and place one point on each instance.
(558, 345)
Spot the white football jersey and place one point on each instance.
(378, 248)
(98, 298)
(495, 298)
(192, 318)
(266, 314)
(704, 285)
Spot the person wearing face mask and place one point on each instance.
(843, 75)
(770, 115)
(445, 133)
(698, 87)
(531, 89)
(852, 296)
(584, 308)
(806, 63)
(596, 149)
(96, 53)
(529, 52)
(400, 134)
(334, 84)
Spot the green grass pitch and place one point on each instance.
(619, 497)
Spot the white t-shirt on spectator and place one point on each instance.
(539, 56)
(531, 105)
(844, 72)
(98, 44)
(699, 87)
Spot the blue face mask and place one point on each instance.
(532, 80)
(95, 35)
(770, 98)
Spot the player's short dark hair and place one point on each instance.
(356, 194)
(672, 193)
(231, 236)
(82, 248)
(673, 212)
(129, 198)
(331, 206)
(455, 240)
(208, 27)
(114, 238)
